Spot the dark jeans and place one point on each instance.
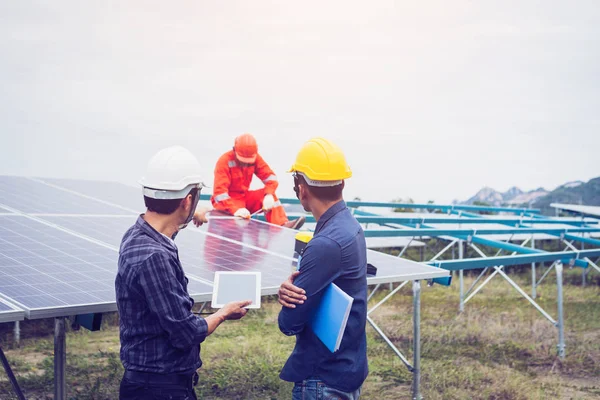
(315, 389)
(144, 388)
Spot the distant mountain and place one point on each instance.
(570, 185)
(575, 192)
(512, 196)
(571, 193)
(527, 197)
(486, 195)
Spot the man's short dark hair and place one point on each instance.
(324, 193)
(166, 207)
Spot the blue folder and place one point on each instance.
(329, 320)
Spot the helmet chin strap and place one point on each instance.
(192, 211)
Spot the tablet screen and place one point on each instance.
(236, 286)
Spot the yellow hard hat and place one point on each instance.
(322, 162)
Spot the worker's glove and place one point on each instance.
(268, 202)
(242, 213)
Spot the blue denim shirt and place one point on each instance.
(337, 253)
(158, 331)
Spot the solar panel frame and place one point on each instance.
(9, 312)
(577, 208)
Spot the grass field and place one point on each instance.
(499, 348)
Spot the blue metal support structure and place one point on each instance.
(476, 218)
(532, 255)
(472, 232)
(441, 207)
(470, 235)
(477, 263)
(513, 222)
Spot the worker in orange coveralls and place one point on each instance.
(233, 175)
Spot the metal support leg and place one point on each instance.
(417, 340)
(546, 273)
(202, 307)
(481, 275)
(11, 376)
(585, 270)
(560, 322)
(383, 335)
(438, 255)
(522, 292)
(17, 333)
(373, 292)
(60, 359)
(386, 298)
(489, 278)
(592, 264)
(533, 276)
(461, 285)
(389, 343)
(405, 248)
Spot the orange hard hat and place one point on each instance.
(245, 148)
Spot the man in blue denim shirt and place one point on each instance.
(336, 254)
(160, 336)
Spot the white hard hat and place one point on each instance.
(171, 174)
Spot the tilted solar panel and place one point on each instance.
(280, 240)
(49, 272)
(109, 230)
(116, 193)
(64, 263)
(29, 196)
(201, 254)
(254, 233)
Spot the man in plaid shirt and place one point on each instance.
(160, 336)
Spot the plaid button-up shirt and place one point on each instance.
(158, 331)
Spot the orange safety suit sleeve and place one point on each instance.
(266, 175)
(221, 199)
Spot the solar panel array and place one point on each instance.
(59, 242)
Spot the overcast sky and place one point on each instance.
(429, 99)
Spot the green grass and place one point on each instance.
(499, 348)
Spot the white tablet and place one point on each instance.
(236, 286)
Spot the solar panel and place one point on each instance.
(117, 194)
(5, 211)
(255, 233)
(391, 242)
(9, 313)
(201, 254)
(120, 194)
(396, 269)
(281, 241)
(49, 272)
(109, 230)
(29, 196)
(580, 209)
